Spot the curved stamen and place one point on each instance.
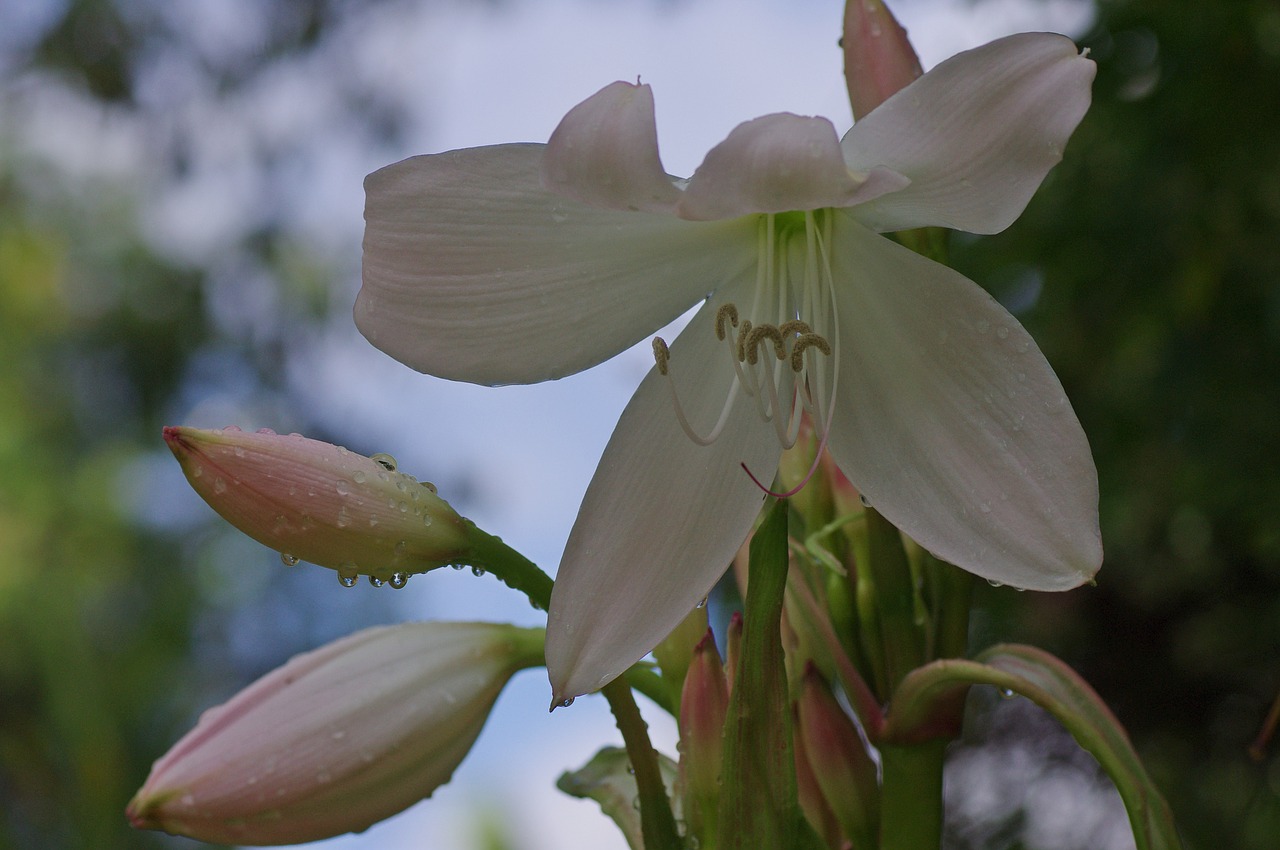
(809, 340)
(726, 312)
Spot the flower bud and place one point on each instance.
(321, 503)
(838, 759)
(704, 702)
(878, 58)
(338, 738)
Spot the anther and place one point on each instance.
(661, 354)
(726, 312)
(795, 326)
(809, 340)
(743, 333)
(757, 335)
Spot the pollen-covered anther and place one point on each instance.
(806, 341)
(661, 354)
(757, 335)
(729, 313)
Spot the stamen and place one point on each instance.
(757, 335)
(809, 340)
(743, 333)
(729, 312)
(795, 326)
(661, 354)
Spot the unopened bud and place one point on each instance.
(338, 738)
(318, 502)
(836, 755)
(878, 58)
(704, 702)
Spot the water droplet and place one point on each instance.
(1007, 693)
(635, 804)
(342, 487)
(631, 769)
(429, 486)
(289, 560)
(995, 583)
(238, 451)
(375, 581)
(866, 503)
(1002, 332)
(399, 580)
(197, 472)
(426, 519)
(296, 435)
(359, 476)
(232, 428)
(458, 566)
(373, 522)
(219, 485)
(702, 603)
(347, 575)
(401, 547)
(566, 702)
(477, 571)
(344, 518)
(384, 460)
(267, 431)
(404, 507)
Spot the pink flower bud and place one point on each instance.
(878, 58)
(704, 702)
(839, 762)
(338, 738)
(321, 503)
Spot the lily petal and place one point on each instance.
(605, 153)
(474, 272)
(662, 518)
(778, 163)
(953, 425)
(976, 135)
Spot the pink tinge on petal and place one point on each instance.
(772, 164)
(605, 153)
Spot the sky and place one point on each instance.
(464, 74)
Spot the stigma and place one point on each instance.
(783, 343)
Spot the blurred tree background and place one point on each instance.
(1148, 268)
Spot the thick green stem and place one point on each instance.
(657, 824)
(911, 794)
(516, 571)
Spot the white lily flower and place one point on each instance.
(523, 263)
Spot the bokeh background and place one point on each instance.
(179, 243)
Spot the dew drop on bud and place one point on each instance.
(477, 571)
(342, 487)
(232, 428)
(429, 486)
(359, 476)
(866, 503)
(1007, 693)
(267, 431)
(289, 560)
(375, 581)
(566, 702)
(384, 460)
(458, 566)
(399, 580)
(219, 485)
(347, 580)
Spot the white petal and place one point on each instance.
(661, 520)
(605, 153)
(474, 272)
(778, 163)
(952, 424)
(976, 135)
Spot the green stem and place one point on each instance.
(911, 795)
(516, 571)
(657, 824)
(652, 685)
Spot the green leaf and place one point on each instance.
(928, 692)
(607, 780)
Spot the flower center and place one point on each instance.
(784, 344)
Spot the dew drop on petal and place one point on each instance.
(267, 431)
(566, 702)
(289, 560)
(702, 603)
(429, 486)
(866, 503)
(342, 487)
(1002, 332)
(995, 583)
(359, 476)
(384, 460)
(219, 485)
(232, 428)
